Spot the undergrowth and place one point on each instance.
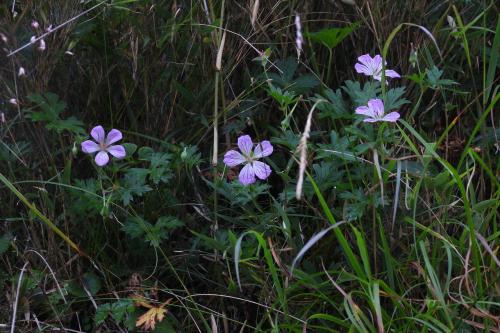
(255, 177)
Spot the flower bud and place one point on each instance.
(74, 150)
(184, 154)
(13, 101)
(35, 25)
(21, 72)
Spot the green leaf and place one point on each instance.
(434, 78)
(51, 109)
(92, 283)
(393, 99)
(333, 36)
(5, 243)
(361, 96)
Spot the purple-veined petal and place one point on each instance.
(247, 175)
(377, 63)
(365, 111)
(102, 158)
(370, 120)
(362, 69)
(90, 147)
(391, 73)
(98, 134)
(233, 158)
(245, 144)
(261, 170)
(365, 59)
(263, 149)
(117, 151)
(113, 136)
(392, 117)
(377, 107)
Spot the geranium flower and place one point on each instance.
(375, 112)
(373, 67)
(103, 145)
(248, 157)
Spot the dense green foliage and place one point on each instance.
(397, 224)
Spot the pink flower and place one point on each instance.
(375, 112)
(35, 25)
(373, 67)
(41, 45)
(103, 146)
(248, 157)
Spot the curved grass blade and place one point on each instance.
(314, 239)
(42, 217)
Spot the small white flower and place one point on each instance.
(42, 45)
(13, 101)
(21, 72)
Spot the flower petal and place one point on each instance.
(90, 147)
(263, 149)
(247, 175)
(98, 134)
(377, 107)
(102, 158)
(362, 69)
(233, 158)
(391, 73)
(377, 63)
(365, 111)
(117, 151)
(245, 144)
(113, 136)
(365, 59)
(371, 120)
(261, 170)
(392, 117)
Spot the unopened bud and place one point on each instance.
(13, 101)
(184, 154)
(3, 38)
(2, 118)
(451, 23)
(21, 72)
(35, 25)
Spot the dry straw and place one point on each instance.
(302, 148)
